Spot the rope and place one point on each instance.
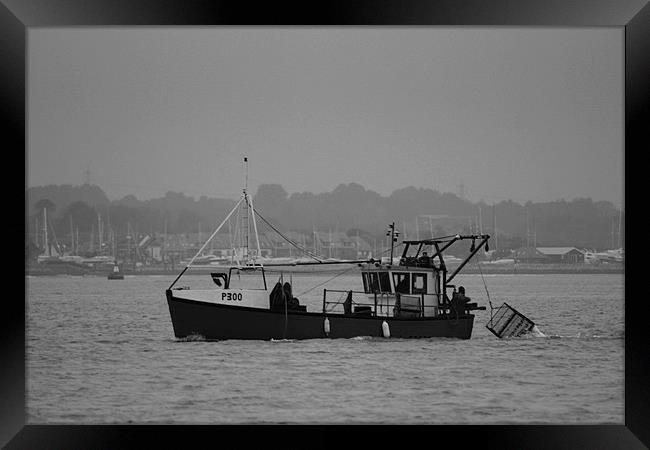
(339, 274)
(333, 305)
(290, 241)
(478, 263)
(327, 281)
(284, 296)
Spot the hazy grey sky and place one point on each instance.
(520, 113)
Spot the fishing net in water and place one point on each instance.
(508, 322)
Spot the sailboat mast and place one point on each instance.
(494, 226)
(38, 234)
(200, 231)
(99, 232)
(47, 248)
(72, 252)
(164, 243)
(620, 224)
(330, 243)
(232, 244)
(110, 229)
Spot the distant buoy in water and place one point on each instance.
(385, 329)
(326, 326)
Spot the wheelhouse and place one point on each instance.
(417, 286)
(400, 280)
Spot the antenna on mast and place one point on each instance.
(245, 174)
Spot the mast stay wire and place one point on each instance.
(290, 241)
(340, 273)
(310, 254)
(478, 263)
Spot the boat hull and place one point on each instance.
(218, 322)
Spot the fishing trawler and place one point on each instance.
(407, 299)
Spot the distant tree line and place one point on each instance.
(349, 207)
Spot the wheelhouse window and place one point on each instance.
(366, 282)
(374, 282)
(384, 282)
(402, 282)
(419, 283)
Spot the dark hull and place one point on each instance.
(216, 322)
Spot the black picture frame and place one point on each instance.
(16, 16)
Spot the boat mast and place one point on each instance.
(257, 238)
(248, 217)
(207, 242)
(245, 218)
(393, 238)
(248, 204)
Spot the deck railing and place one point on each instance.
(379, 303)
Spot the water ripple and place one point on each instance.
(109, 356)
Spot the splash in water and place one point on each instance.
(537, 332)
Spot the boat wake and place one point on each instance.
(582, 335)
(192, 338)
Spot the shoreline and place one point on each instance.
(485, 269)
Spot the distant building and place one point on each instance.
(548, 255)
(336, 245)
(530, 255)
(562, 255)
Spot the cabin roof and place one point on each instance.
(556, 250)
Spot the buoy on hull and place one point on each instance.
(385, 329)
(326, 326)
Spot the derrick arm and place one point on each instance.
(484, 239)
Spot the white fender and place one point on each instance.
(385, 329)
(326, 326)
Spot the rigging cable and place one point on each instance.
(286, 317)
(478, 263)
(339, 274)
(307, 252)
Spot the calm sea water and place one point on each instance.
(102, 351)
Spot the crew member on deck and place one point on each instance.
(292, 302)
(459, 300)
(277, 297)
(424, 260)
(347, 304)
